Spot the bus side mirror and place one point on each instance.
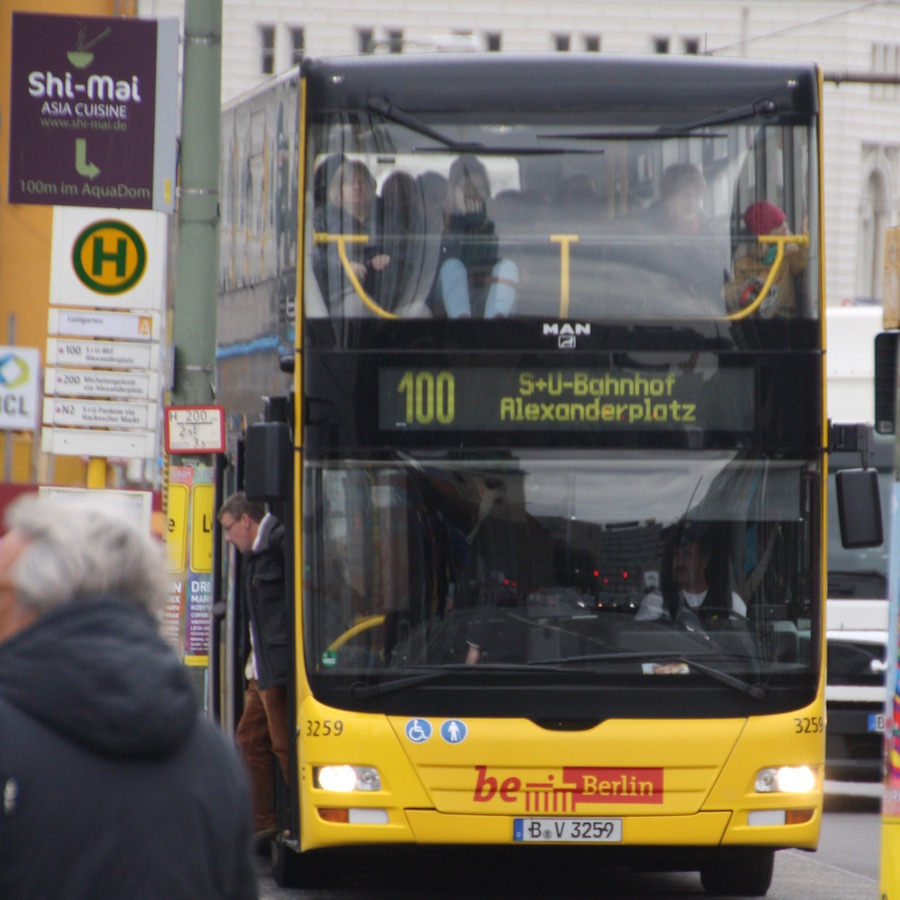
(268, 461)
(859, 508)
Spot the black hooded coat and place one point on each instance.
(111, 783)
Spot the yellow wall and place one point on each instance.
(25, 250)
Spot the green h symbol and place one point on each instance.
(101, 256)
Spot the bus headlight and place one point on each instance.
(344, 779)
(786, 780)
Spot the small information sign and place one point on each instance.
(63, 382)
(98, 413)
(108, 354)
(195, 429)
(95, 323)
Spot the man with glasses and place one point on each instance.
(262, 732)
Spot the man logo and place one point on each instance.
(109, 257)
(565, 333)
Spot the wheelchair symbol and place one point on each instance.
(418, 730)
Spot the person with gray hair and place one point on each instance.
(111, 783)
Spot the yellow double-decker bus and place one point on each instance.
(542, 342)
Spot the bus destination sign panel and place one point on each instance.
(509, 398)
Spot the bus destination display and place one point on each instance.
(509, 398)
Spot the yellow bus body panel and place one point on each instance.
(672, 782)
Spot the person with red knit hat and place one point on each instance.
(754, 260)
(764, 217)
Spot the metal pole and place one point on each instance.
(194, 320)
(194, 312)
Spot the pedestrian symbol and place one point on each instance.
(418, 730)
(453, 731)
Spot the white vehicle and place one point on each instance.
(857, 606)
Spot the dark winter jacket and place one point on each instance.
(111, 784)
(263, 587)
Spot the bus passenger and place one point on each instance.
(579, 192)
(694, 590)
(680, 208)
(690, 257)
(402, 236)
(473, 278)
(349, 209)
(754, 260)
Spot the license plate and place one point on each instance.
(577, 831)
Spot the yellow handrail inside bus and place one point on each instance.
(780, 241)
(564, 240)
(321, 237)
(354, 630)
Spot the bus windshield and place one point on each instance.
(628, 215)
(538, 563)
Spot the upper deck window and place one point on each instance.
(543, 216)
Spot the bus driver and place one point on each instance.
(693, 590)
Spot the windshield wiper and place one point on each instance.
(732, 681)
(360, 691)
(384, 107)
(748, 111)
(728, 116)
(637, 135)
(512, 150)
(743, 687)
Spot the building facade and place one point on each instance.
(264, 37)
(862, 125)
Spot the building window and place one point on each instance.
(365, 40)
(874, 219)
(493, 41)
(592, 43)
(661, 45)
(297, 44)
(691, 46)
(562, 42)
(267, 49)
(395, 40)
(885, 61)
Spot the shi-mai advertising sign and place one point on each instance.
(93, 111)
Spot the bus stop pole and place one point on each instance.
(193, 333)
(194, 320)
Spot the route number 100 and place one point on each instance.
(429, 398)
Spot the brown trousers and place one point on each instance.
(262, 736)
